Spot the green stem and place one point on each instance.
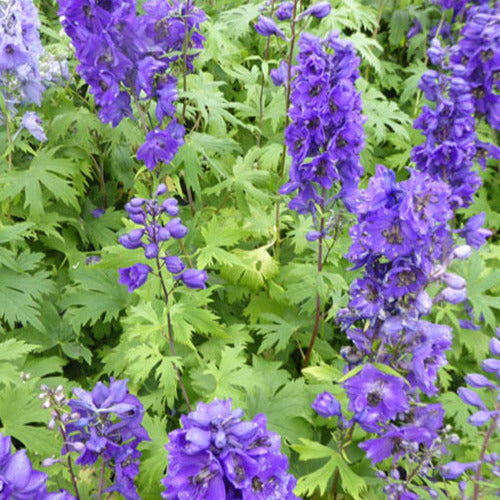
(101, 479)
(375, 32)
(287, 122)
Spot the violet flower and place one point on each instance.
(218, 456)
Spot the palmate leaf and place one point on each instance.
(12, 352)
(481, 280)
(22, 417)
(384, 116)
(97, 294)
(154, 458)
(256, 267)
(45, 173)
(22, 287)
(353, 484)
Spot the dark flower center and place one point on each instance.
(373, 398)
(487, 55)
(257, 485)
(393, 236)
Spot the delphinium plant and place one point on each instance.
(146, 248)
(404, 241)
(103, 426)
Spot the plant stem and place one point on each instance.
(287, 122)
(477, 475)
(101, 479)
(171, 336)
(185, 44)
(68, 458)
(343, 445)
(317, 318)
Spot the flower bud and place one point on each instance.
(176, 229)
(171, 206)
(326, 405)
(453, 296)
(151, 251)
(174, 264)
(462, 252)
(193, 278)
(161, 189)
(454, 281)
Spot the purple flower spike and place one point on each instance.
(265, 26)
(326, 405)
(161, 146)
(216, 455)
(193, 278)
(134, 276)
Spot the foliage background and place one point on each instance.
(66, 321)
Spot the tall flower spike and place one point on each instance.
(326, 133)
(217, 456)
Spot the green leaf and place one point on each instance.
(307, 485)
(44, 173)
(96, 294)
(21, 291)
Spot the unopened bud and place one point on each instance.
(462, 252)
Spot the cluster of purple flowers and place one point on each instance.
(152, 236)
(18, 479)
(106, 423)
(404, 242)
(123, 54)
(479, 52)
(20, 50)
(451, 144)
(217, 456)
(326, 134)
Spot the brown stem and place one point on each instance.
(343, 446)
(317, 318)
(68, 459)
(477, 475)
(101, 479)
(171, 336)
